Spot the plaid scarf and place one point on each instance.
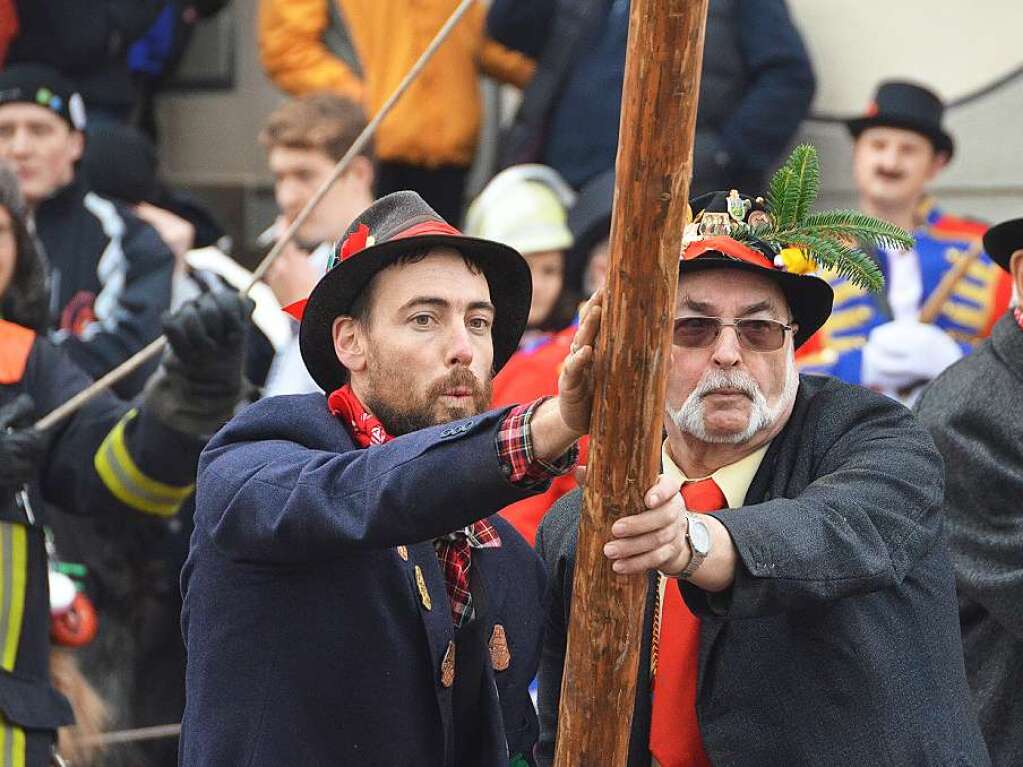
(454, 550)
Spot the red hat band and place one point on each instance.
(360, 239)
(729, 247)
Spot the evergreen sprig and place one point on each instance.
(793, 188)
(846, 260)
(834, 239)
(864, 229)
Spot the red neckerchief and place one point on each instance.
(454, 551)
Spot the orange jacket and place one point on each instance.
(437, 121)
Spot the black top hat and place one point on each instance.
(1003, 240)
(396, 225)
(809, 298)
(906, 105)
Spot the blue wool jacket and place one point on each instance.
(309, 638)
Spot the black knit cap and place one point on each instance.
(120, 162)
(44, 87)
(909, 106)
(396, 225)
(1003, 240)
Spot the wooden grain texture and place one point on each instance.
(653, 169)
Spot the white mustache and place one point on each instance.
(713, 380)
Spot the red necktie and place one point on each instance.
(674, 731)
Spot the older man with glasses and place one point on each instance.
(803, 611)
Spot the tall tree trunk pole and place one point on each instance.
(654, 165)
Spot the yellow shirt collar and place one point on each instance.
(733, 479)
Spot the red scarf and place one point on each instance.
(364, 427)
(454, 551)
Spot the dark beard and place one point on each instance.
(403, 413)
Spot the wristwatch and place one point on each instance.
(698, 538)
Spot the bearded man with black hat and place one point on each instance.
(972, 411)
(349, 597)
(900, 147)
(803, 611)
(110, 271)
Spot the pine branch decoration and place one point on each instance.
(835, 239)
(845, 260)
(793, 189)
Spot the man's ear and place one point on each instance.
(361, 169)
(76, 145)
(1016, 270)
(349, 343)
(938, 164)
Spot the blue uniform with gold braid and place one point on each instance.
(976, 303)
(108, 458)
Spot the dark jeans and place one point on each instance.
(443, 188)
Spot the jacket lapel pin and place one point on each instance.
(424, 594)
(447, 666)
(500, 656)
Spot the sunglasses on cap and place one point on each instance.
(754, 335)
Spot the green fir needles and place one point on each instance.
(834, 239)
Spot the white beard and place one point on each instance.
(691, 419)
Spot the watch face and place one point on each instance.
(699, 535)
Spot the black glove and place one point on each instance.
(207, 339)
(200, 380)
(21, 449)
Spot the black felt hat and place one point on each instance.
(906, 105)
(45, 87)
(396, 225)
(809, 297)
(1004, 239)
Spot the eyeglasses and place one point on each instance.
(754, 335)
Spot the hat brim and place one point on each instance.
(809, 298)
(508, 275)
(941, 140)
(1003, 240)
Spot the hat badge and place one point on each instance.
(357, 241)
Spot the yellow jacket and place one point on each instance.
(437, 121)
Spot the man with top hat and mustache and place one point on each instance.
(803, 611)
(349, 596)
(972, 411)
(900, 147)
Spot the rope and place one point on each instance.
(154, 348)
(968, 98)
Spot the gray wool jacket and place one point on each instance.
(838, 644)
(973, 412)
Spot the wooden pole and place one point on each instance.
(654, 165)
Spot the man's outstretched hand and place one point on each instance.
(575, 384)
(559, 422)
